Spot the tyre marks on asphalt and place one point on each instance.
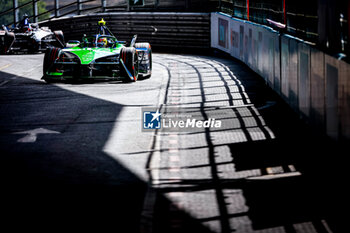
(5, 66)
(4, 82)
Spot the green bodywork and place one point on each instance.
(88, 52)
(99, 56)
(88, 55)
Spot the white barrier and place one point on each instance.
(314, 84)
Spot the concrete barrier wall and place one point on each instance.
(314, 84)
(164, 30)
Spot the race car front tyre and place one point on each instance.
(59, 39)
(129, 57)
(145, 59)
(34, 46)
(51, 54)
(6, 42)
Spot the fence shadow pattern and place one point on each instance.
(245, 177)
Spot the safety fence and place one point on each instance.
(299, 16)
(323, 22)
(314, 84)
(11, 11)
(39, 10)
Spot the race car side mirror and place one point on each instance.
(72, 43)
(133, 41)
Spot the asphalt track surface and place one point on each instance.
(74, 157)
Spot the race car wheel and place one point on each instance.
(60, 39)
(34, 47)
(6, 42)
(145, 59)
(51, 54)
(130, 59)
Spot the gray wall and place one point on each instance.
(163, 30)
(314, 84)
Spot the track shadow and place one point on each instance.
(62, 181)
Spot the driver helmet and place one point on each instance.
(25, 23)
(103, 41)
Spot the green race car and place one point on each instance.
(99, 56)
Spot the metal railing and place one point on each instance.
(300, 19)
(78, 7)
(73, 8)
(324, 23)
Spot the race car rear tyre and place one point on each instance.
(6, 42)
(51, 54)
(60, 39)
(130, 59)
(145, 59)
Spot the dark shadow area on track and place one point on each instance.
(317, 195)
(62, 182)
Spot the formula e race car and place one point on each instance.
(29, 37)
(99, 56)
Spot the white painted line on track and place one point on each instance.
(173, 150)
(173, 142)
(174, 158)
(174, 169)
(32, 135)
